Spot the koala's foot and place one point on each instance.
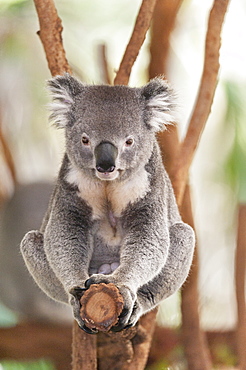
(128, 315)
(76, 294)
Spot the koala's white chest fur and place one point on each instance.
(108, 199)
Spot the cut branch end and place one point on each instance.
(101, 306)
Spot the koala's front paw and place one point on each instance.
(76, 294)
(127, 316)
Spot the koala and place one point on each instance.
(112, 217)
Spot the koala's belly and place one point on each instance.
(107, 241)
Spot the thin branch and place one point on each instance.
(138, 36)
(8, 158)
(240, 275)
(50, 35)
(102, 53)
(204, 100)
(162, 25)
(7, 154)
(194, 340)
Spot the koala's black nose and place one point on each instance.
(105, 154)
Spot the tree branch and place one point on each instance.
(194, 340)
(104, 315)
(179, 172)
(240, 270)
(102, 53)
(8, 157)
(9, 161)
(162, 25)
(138, 36)
(84, 350)
(50, 35)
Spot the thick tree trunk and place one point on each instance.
(240, 276)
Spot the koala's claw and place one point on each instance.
(121, 322)
(77, 292)
(120, 326)
(117, 328)
(132, 320)
(123, 313)
(93, 280)
(87, 330)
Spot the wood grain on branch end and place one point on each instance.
(50, 35)
(101, 306)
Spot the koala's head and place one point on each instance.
(110, 130)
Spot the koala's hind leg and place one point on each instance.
(32, 249)
(172, 275)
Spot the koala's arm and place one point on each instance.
(145, 247)
(172, 275)
(147, 241)
(67, 240)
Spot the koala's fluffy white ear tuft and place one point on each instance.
(159, 103)
(63, 91)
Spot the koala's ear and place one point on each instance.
(63, 91)
(159, 102)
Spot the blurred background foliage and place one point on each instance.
(218, 174)
(31, 365)
(235, 125)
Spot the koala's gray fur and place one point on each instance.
(113, 216)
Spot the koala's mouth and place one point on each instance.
(108, 176)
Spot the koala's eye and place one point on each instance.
(129, 142)
(85, 140)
